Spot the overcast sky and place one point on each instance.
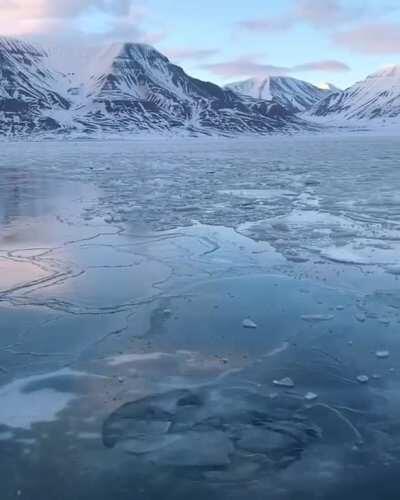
(227, 40)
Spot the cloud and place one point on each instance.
(327, 65)
(321, 14)
(190, 54)
(243, 67)
(118, 19)
(326, 13)
(372, 38)
(249, 67)
(56, 9)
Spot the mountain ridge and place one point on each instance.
(129, 88)
(132, 88)
(292, 93)
(374, 100)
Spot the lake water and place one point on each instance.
(204, 318)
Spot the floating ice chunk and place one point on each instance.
(284, 382)
(248, 323)
(110, 219)
(311, 396)
(314, 318)
(382, 354)
(363, 379)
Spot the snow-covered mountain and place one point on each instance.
(31, 94)
(135, 87)
(373, 100)
(293, 94)
(128, 88)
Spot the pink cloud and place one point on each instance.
(327, 65)
(243, 67)
(322, 13)
(32, 17)
(39, 9)
(317, 13)
(372, 38)
(249, 67)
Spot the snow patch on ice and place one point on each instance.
(22, 408)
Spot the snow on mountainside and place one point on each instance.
(29, 89)
(135, 87)
(131, 88)
(329, 86)
(293, 94)
(373, 100)
(128, 88)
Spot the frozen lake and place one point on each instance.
(200, 318)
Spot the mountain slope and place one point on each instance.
(129, 88)
(29, 89)
(373, 100)
(135, 87)
(293, 94)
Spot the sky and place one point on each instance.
(337, 41)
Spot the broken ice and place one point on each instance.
(284, 382)
(208, 428)
(248, 323)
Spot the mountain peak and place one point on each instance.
(291, 93)
(136, 51)
(120, 52)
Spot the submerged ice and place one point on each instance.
(209, 428)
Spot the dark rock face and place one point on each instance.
(132, 89)
(27, 89)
